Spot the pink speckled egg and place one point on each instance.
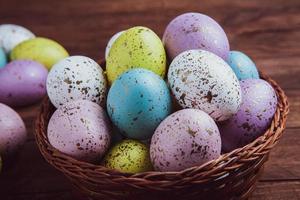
(80, 129)
(187, 138)
(195, 31)
(254, 116)
(12, 131)
(22, 82)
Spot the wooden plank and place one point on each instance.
(284, 160)
(252, 27)
(285, 190)
(294, 115)
(30, 173)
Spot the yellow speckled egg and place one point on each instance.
(138, 47)
(129, 156)
(43, 50)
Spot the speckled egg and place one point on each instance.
(111, 41)
(80, 129)
(3, 59)
(254, 116)
(138, 47)
(137, 102)
(11, 35)
(76, 77)
(187, 138)
(129, 156)
(242, 65)
(22, 82)
(12, 131)
(43, 50)
(200, 79)
(195, 31)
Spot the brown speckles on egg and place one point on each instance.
(202, 80)
(129, 156)
(12, 131)
(253, 117)
(11, 35)
(80, 129)
(76, 77)
(136, 47)
(186, 138)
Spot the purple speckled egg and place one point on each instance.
(22, 82)
(195, 31)
(80, 129)
(187, 138)
(12, 131)
(253, 118)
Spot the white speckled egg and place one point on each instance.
(202, 80)
(11, 35)
(12, 131)
(80, 129)
(111, 42)
(74, 78)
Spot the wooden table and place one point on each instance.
(268, 31)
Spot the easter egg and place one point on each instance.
(128, 156)
(22, 82)
(137, 102)
(3, 59)
(111, 42)
(186, 138)
(138, 47)
(253, 117)
(242, 65)
(80, 129)
(202, 80)
(12, 131)
(43, 50)
(11, 35)
(195, 31)
(74, 78)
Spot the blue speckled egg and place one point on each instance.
(3, 59)
(242, 65)
(137, 102)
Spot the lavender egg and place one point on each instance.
(254, 116)
(22, 82)
(186, 138)
(202, 80)
(195, 31)
(12, 131)
(74, 78)
(80, 129)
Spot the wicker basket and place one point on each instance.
(231, 176)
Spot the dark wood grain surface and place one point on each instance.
(268, 31)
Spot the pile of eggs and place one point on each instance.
(24, 63)
(140, 113)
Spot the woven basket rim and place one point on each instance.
(213, 169)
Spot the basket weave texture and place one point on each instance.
(232, 176)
